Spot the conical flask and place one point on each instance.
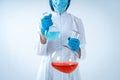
(53, 32)
(64, 59)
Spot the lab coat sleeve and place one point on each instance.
(42, 49)
(82, 39)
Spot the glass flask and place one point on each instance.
(53, 32)
(64, 59)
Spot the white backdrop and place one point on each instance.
(20, 18)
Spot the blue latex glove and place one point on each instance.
(73, 44)
(46, 22)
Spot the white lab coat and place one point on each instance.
(65, 23)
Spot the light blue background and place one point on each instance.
(20, 18)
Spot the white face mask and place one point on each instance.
(60, 5)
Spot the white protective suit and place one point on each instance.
(65, 23)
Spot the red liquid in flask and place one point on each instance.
(66, 67)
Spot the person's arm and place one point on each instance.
(42, 45)
(82, 52)
(81, 30)
(42, 39)
(79, 53)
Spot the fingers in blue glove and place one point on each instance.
(46, 22)
(43, 31)
(74, 43)
(48, 17)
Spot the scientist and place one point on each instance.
(66, 23)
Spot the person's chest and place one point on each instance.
(63, 23)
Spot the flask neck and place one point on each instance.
(75, 34)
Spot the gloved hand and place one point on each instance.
(46, 22)
(73, 44)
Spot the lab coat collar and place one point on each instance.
(61, 15)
